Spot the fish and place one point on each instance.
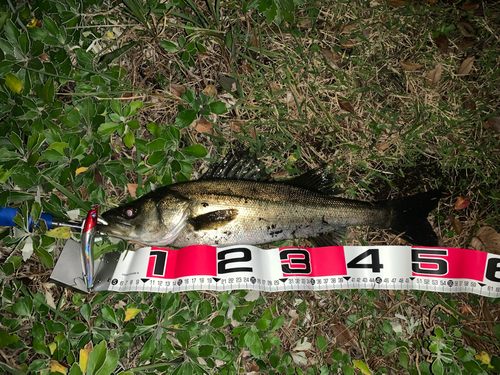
(235, 203)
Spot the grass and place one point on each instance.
(328, 89)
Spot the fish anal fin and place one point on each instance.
(213, 220)
(333, 238)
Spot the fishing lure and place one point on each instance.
(89, 229)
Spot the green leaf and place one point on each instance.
(116, 107)
(97, 358)
(263, 324)
(21, 308)
(156, 157)
(183, 337)
(132, 108)
(24, 43)
(133, 124)
(277, 323)
(109, 364)
(169, 46)
(217, 322)
(154, 129)
(116, 54)
(197, 151)
(12, 33)
(47, 93)
(6, 338)
(14, 83)
(45, 257)
(185, 118)
(361, 366)
(321, 343)
(156, 145)
(128, 138)
(206, 350)
(50, 25)
(109, 314)
(218, 107)
(149, 348)
(437, 367)
(6, 155)
(11, 370)
(107, 128)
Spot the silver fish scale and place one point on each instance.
(268, 212)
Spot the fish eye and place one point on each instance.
(129, 212)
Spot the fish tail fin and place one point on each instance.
(408, 217)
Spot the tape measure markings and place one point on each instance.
(201, 267)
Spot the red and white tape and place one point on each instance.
(200, 267)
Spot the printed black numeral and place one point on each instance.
(223, 262)
(492, 268)
(375, 265)
(159, 262)
(295, 261)
(418, 257)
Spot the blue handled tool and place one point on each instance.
(8, 213)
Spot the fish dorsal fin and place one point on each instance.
(318, 180)
(238, 165)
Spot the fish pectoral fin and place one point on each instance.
(333, 238)
(213, 220)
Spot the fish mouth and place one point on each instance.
(117, 228)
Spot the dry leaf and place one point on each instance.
(442, 43)
(434, 75)
(466, 310)
(469, 6)
(131, 189)
(131, 313)
(235, 126)
(80, 170)
(486, 239)
(305, 23)
(346, 106)
(61, 232)
(274, 87)
(253, 133)
(408, 65)
(381, 146)
(84, 356)
(57, 367)
(279, 174)
(466, 43)
(176, 89)
(254, 39)
(457, 226)
(332, 58)
(210, 91)
(398, 3)
(349, 27)
(461, 203)
(348, 44)
(202, 126)
(468, 104)
(466, 66)
(494, 123)
(466, 29)
(342, 334)
(44, 57)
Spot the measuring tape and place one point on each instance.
(201, 267)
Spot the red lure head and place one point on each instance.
(91, 219)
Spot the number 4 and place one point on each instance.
(375, 265)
